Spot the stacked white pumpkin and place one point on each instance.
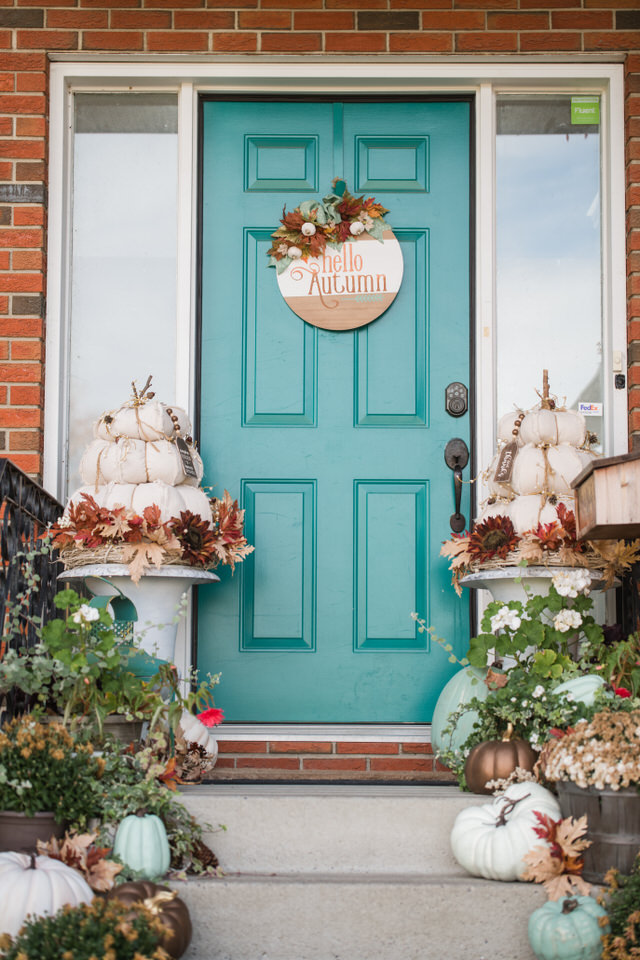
(134, 461)
(551, 450)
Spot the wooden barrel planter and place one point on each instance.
(613, 818)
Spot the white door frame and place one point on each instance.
(188, 78)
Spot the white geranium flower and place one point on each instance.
(569, 583)
(567, 620)
(505, 617)
(538, 691)
(86, 614)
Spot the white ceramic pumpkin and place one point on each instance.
(491, 840)
(553, 427)
(146, 421)
(171, 500)
(136, 461)
(194, 731)
(36, 885)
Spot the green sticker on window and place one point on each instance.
(585, 109)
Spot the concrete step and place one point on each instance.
(338, 917)
(331, 828)
(337, 872)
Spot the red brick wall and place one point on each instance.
(317, 760)
(30, 29)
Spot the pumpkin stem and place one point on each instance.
(507, 736)
(569, 905)
(32, 865)
(157, 901)
(508, 808)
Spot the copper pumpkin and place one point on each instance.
(166, 905)
(497, 760)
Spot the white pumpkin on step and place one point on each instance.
(36, 885)
(491, 840)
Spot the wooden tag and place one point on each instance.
(185, 455)
(504, 469)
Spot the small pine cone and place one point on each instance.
(202, 853)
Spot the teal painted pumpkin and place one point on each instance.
(582, 689)
(568, 929)
(463, 686)
(141, 842)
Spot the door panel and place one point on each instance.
(333, 440)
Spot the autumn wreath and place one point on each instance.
(316, 224)
(90, 533)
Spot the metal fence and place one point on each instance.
(25, 511)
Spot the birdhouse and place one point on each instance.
(607, 496)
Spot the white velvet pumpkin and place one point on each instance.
(136, 461)
(566, 462)
(506, 426)
(36, 885)
(547, 470)
(554, 427)
(194, 731)
(148, 421)
(488, 847)
(170, 500)
(526, 513)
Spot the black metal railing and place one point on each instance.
(26, 509)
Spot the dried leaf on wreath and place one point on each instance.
(618, 556)
(569, 558)
(531, 551)
(138, 557)
(454, 547)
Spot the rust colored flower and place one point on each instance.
(549, 535)
(493, 537)
(197, 539)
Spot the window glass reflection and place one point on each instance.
(549, 288)
(123, 286)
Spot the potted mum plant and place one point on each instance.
(47, 779)
(98, 929)
(595, 767)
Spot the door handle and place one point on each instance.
(456, 457)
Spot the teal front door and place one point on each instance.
(333, 441)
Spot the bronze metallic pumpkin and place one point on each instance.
(166, 905)
(497, 760)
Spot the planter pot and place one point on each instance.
(19, 832)
(156, 597)
(123, 729)
(509, 583)
(613, 826)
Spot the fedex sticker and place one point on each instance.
(590, 409)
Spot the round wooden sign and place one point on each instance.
(347, 288)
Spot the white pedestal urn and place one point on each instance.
(517, 583)
(156, 597)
